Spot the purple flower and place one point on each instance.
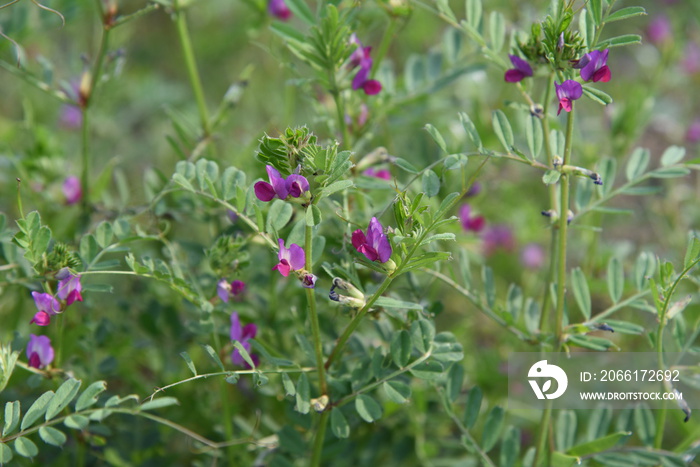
(593, 66)
(71, 117)
(567, 92)
(242, 335)
(226, 289)
(39, 351)
(532, 256)
(375, 245)
(69, 287)
(470, 223)
(360, 57)
(691, 58)
(497, 236)
(291, 259)
(308, 281)
(279, 9)
(693, 133)
(521, 71)
(474, 190)
(294, 185)
(72, 190)
(47, 305)
(659, 30)
(384, 174)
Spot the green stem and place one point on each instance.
(318, 440)
(223, 395)
(313, 315)
(543, 435)
(85, 162)
(384, 45)
(340, 112)
(191, 65)
(563, 224)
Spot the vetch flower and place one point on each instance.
(47, 305)
(242, 334)
(294, 185)
(308, 280)
(593, 66)
(72, 190)
(279, 9)
(384, 174)
(375, 245)
(69, 287)
(521, 71)
(360, 57)
(567, 92)
(532, 256)
(226, 289)
(470, 223)
(39, 351)
(497, 236)
(291, 259)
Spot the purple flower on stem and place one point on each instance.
(47, 305)
(593, 66)
(69, 287)
(532, 256)
(375, 245)
(291, 259)
(567, 92)
(242, 334)
(294, 185)
(659, 30)
(226, 289)
(521, 71)
(72, 190)
(497, 236)
(39, 351)
(279, 9)
(360, 57)
(470, 223)
(384, 174)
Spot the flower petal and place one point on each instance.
(283, 267)
(369, 252)
(278, 182)
(372, 87)
(358, 239)
(296, 185)
(384, 249)
(249, 331)
(513, 76)
(264, 191)
(41, 318)
(236, 330)
(297, 257)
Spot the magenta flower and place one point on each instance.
(532, 256)
(593, 66)
(279, 9)
(659, 30)
(47, 305)
(521, 71)
(470, 223)
(291, 259)
(242, 335)
(226, 289)
(375, 245)
(360, 57)
(72, 190)
(69, 287)
(693, 133)
(39, 351)
(567, 92)
(384, 174)
(496, 237)
(294, 185)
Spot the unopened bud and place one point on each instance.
(85, 89)
(353, 291)
(320, 404)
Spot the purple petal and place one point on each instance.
(358, 239)
(72, 190)
(602, 74)
(237, 287)
(67, 286)
(39, 351)
(46, 302)
(296, 185)
(279, 9)
(369, 252)
(264, 191)
(360, 78)
(277, 182)
(372, 87)
(513, 76)
(309, 281)
(297, 257)
(222, 290)
(41, 318)
(283, 267)
(236, 330)
(374, 231)
(384, 249)
(282, 253)
(521, 65)
(249, 331)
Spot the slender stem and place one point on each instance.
(313, 315)
(543, 435)
(223, 394)
(565, 183)
(191, 64)
(340, 112)
(318, 440)
(85, 162)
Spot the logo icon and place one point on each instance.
(543, 370)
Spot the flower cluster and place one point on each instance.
(375, 244)
(294, 185)
(69, 289)
(294, 259)
(225, 289)
(360, 58)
